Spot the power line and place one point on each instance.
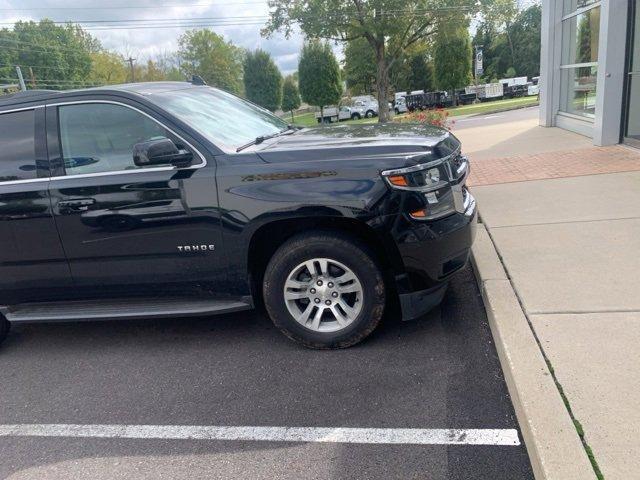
(242, 18)
(39, 67)
(43, 48)
(187, 5)
(56, 82)
(143, 20)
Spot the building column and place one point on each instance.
(550, 38)
(611, 72)
(547, 34)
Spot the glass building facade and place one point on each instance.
(579, 58)
(590, 68)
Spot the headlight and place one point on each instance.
(439, 182)
(429, 176)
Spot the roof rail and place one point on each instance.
(197, 80)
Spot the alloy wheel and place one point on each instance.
(323, 295)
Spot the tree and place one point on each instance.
(319, 75)
(59, 56)
(290, 96)
(107, 68)
(262, 80)
(421, 76)
(501, 14)
(525, 32)
(152, 73)
(360, 66)
(390, 27)
(452, 56)
(219, 63)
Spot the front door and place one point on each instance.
(129, 230)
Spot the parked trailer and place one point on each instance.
(464, 98)
(424, 101)
(510, 82)
(515, 91)
(487, 92)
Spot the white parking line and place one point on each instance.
(412, 436)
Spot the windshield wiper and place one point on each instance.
(262, 138)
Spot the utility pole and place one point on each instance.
(133, 75)
(33, 78)
(23, 87)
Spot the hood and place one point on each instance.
(360, 141)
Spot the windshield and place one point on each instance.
(224, 119)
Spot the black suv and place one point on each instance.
(171, 199)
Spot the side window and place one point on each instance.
(17, 146)
(99, 137)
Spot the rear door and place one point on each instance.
(130, 230)
(32, 262)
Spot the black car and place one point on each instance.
(171, 199)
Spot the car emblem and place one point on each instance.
(196, 248)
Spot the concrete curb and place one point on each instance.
(555, 449)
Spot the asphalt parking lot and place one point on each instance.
(440, 372)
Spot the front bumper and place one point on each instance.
(431, 253)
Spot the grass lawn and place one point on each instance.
(309, 119)
(493, 106)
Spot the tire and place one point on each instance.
(4, 328)
(355, 116)
(369, 113)
(397, 111)
(335, 255)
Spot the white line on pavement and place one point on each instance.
(413, 436)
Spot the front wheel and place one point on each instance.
(4, 328)
(369, 114)
(324, 290)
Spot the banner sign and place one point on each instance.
(479, 58)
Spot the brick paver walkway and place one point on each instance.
(573, 163)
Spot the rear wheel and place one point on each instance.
(369, 113)
(4, 328)
(355, 116)
(324, 290)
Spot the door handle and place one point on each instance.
(78, 205)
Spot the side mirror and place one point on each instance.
(161, 151)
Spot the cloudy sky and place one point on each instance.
(116, 24)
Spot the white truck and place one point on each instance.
(368, 103)
(400, 105)
(338, 114)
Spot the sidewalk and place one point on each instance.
(564, 218)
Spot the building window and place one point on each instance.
(579, 57)
(570, 6)
(578, 90)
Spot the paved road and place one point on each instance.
(496, 118)
(237, 370)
